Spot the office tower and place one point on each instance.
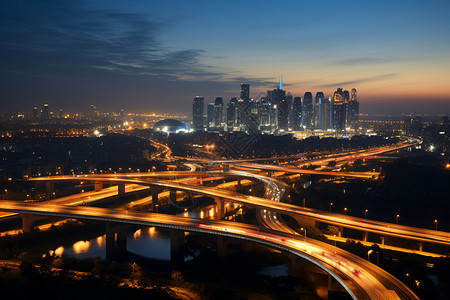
(94, 113)
(308, 111)
(61, 113)
(218, 112)
(289, 103)
(252, 120)
(197, 113)
(277, 98)
(210, 115)
(347, 112)
(353, 109)
(245, 92)
(35, 113)
(44, 114)
(319, 95)
(231, 113)
(324, 113)
(338, 110)
(297, 114)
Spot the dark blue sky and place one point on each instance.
(157, 55)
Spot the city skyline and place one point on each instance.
(153, 57)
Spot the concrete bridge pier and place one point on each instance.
(220, 208)
(420, 246)
(98, 186)
(155, 198)
(173, 196)
(341, 231)
(121, 188)
(49, 189)
(116, 240)
(225, 167)
(28, 222)
(176, 247)
(366, 236)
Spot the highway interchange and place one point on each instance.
(360, 278)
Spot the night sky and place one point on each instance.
(155, 56)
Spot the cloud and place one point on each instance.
(363, 61)
(356, 81)
(64, 38)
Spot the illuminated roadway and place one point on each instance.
(365, 225)
(361, 279)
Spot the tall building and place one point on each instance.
(353, 110)
(45, 114)
(338, 110)
(197, 113)
(308, 111)
(324, 114)
(35, 113)
(277, 98)
(245, 92)
(210, 115)
(61, 113)
(218, 112)
(289, 103)
(319, 95)
(297, 113)
(231, 113)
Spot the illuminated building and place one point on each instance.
(218, 112)
(197, 113)
(308, 111)
(338, 105)
(297, 113)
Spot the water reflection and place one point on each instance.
(81, 247)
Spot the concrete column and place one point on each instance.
(121, 188)
(98, 186)
(173, 196)
(366, 236)
(269, 174)
(420, 246)
(220, 208)
(176, 247)
(27, 222)
(341, 231)
(382, 240)
(225, 167)
(49, 189)
(155, 198)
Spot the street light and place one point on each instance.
(365, 213)
(305, 232)
(396, 219)
(331, 204)
(435, 223)
(4, 194)
(368, 254)
(345, 210)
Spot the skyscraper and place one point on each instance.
(308, 111)
(338, 110)
(245, 92)
(289, 104)
(45, 112)
(353, 109)
(35, 113)
(197, 113)
(277, 98)
(324, 114)
(297, 113)
(319, 95)
(218, 112)
(231, 113)
(210, 115)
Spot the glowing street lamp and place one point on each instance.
(305, 232)
(435, 223)
(365, 213)
(368, 254)
(331, 205)
(396, 219)
(345, 210)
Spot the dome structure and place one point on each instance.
(170, 126)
